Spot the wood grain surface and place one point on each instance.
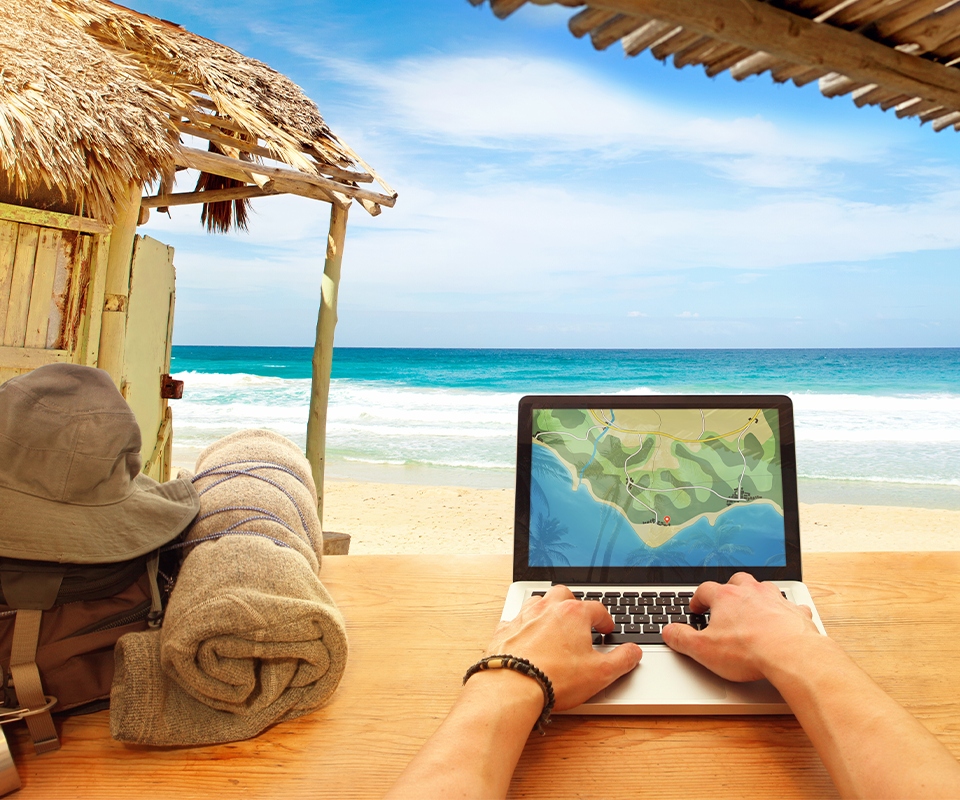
(412, 637)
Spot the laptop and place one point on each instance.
(635, 501)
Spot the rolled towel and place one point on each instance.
(258, 481)
(250, 636)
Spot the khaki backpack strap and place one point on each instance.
(26, 679)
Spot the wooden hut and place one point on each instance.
(96, 104)
(901, 55)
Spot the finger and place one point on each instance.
(680, 637)
(600, 618)
(806, 610)
(703, 597)
(559, 593)
(742, 578)
(622, 659)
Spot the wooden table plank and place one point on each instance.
(407, 656)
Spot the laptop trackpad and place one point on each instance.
(664, 677)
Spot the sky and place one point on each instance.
(551, 195)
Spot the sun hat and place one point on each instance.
(71, 489)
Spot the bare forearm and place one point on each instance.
(869, 744)
(475, 750)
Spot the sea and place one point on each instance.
(874, 426)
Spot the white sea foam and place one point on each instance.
(883, 479)
(881, 438)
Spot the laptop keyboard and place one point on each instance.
(639, 615)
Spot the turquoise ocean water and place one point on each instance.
(874, 426)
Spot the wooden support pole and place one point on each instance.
(113, 326)
(323, 350)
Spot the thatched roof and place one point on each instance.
(896, 54)
(94, 96)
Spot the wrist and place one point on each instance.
(524, 667)
(792, 657)
(508, 692)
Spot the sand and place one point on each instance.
(401, 518)
(391, 518)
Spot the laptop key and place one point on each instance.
(637, 638)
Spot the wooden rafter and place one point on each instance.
(763, 27)
(901, 54)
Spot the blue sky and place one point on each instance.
(555, 196)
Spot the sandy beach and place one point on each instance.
(393, 518)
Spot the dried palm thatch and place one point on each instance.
(75, 117)
(94, 96)
(221, 216)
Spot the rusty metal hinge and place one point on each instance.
(170, 388)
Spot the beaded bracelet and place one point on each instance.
(524, 667)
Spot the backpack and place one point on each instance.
(81, 532)
(58, 625)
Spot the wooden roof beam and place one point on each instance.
(212, 196)
(674, 43)
(582, 23)
(244, 170)
(696, 53)
(759, 26)
(621, 25)
(753, 65)
(225, 123)
(647, 36)
(798, 73)
(504, 8)
(726, 57)
(946, 121)
(263, 152)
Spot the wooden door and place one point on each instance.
(149, 331)
(52, 268)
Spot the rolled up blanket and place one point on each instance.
(250, 636)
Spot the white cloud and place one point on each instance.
(539, 104)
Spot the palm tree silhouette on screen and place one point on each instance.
(546, 542)
(721, 544)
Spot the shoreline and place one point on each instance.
(409, 518)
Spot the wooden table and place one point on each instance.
(411, 640)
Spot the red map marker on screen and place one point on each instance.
(667, 520)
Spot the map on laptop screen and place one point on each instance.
(656, 488)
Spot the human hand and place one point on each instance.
(751, 627)
(553, 632)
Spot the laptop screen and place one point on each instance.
(656, 489)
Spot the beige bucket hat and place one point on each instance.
(71, 489)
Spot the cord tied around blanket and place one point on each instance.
(251, 636)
